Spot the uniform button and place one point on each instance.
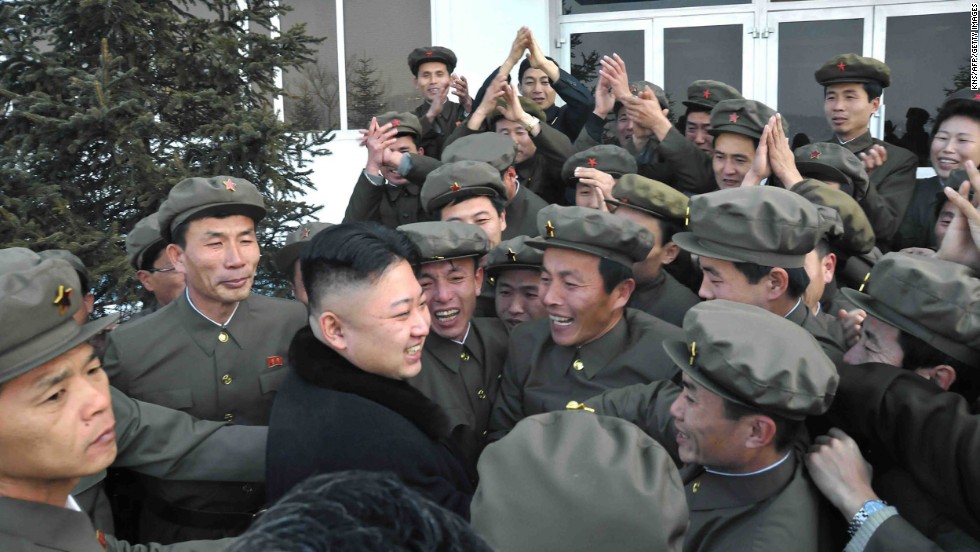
(223, 336)
(404, 215)
(248, 488)
(229, 417)
(500, 376)
(481, 393)
(226, 379)
(484, 432)
(464, 355)
(578, 364)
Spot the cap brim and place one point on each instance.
(493, 270)
(426, 260)
(286, 256)
(693, 244)
(654, 214)
(582, 248)
(821, 171)
(892, 317)
(253, 212)
(463, 194)
(734, 129)
(680, 353)
(690, 103)
(85, 333)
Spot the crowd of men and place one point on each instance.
(590, 327)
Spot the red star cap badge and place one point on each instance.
(976, 96)
(707, 93)
(814, 154)
(306, 233)
(229, 185)
(100, 536)
(733, 118)
(549, 230)
(428, 53)
(396, 122)
(624, 201)
(593, 162)
(454, 187)
(511, 255)
(63, 299)
(841, 65)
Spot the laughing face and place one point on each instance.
(705, 436)
(848, 109)
(451, 288)
(432, 80)
(536, 85)
(956, 142)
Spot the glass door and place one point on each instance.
(584, 44)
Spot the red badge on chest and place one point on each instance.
(273, 361)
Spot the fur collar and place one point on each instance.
(322, 366)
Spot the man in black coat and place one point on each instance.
(345, 403)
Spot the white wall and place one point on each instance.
(480, 33)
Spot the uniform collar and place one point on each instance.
(712, 491)
(856, 145)
(395, 192)
(35, 523)
(205, 333)
(449, 352)
(651, 285)
(597, 354)
(187, 293)
(799, 314)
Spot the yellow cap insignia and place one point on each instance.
(687, 216)
(306, 233)
(229, 185)
(454, 187)
(63, 299)
(694, 352)
(549, 230)
(865, 281)
(511, 255)
(695, 487)
(575, 405)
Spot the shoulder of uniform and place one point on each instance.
(643, 324)
(532, 331)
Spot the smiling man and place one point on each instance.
(514, 269)
(217, 352)
(432, 68)
(734, 424)
(590, 341)
(463, 356)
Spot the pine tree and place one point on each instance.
(105, 105)
(364, 93)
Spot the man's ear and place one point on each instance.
(144, 277)
(622, 292)
(421, 150)
(671, 251)
(943, 375)
(89, 303)
(762, 431)
(176, 255)
(479, 279)
(777, 283)
(828, 265)
(332, 331)
(876, 103)
(503, 220)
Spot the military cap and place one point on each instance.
(934, 300)
(444, 240)
(649, 196)
(777, 367)
(407, 123)
(707, 93)
(762, 225)
(955, 179)
(38, 297)
(853, 68)
(745, 117)
(847, 227)
(460, 180)
(527, 104)
(605, 157)
(426, 54)
(833, 162)
(202, 196)
(640, 86)
(143, 238)
(494, 149)
(293, 246)
(592, 231)
(514, 253)
(576, 481)
(963, 95)
(69, 258)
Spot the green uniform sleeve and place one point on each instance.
(646, 405)
(365, 201)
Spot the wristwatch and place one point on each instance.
(863, 514)
(529, 121)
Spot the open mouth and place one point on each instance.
(414, 349)
(947, 163)
(447, 315)
(561, 320)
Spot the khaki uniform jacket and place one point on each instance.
(464, 380)
(832, 343)
(391, 206)
(891, 186)
(778, 509)
(894, 533)
(689, 167)
(522, 214)
(35, 527)
(542, 376)
(664, 297)
(175, 358)
(434, 134)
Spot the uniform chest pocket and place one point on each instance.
(270, 381)
(177, 399)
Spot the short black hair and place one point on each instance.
(667, 230)
(526, 64)
(351, 253)
(916, 353)
(179, 235)
(357, 510)
(498, 203)
(873, 89)
(786, 429)
(798, 278)
(822, 248)
(613, 273)
(151, 253)
(969, 109)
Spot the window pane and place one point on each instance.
(803, 47)
(588, 49)
(311, 99)
(570, 7)
(923, 70)
(379, 34)
(695, 53)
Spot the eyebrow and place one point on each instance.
(406, 300)
(217, 234)
(55, 379)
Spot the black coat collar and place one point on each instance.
(321, 366)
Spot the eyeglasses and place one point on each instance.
(156, 270)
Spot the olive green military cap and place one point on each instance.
(202, 196)
(762, 225)
(494, 149)
(605, 157)
(460, 180)
(574, 481)
(853, 68)
(963, 95)
(847, 226)
(649, 196)
(707, 93)
(426, 54)
(294, 244)
(513, 254)
(38, 297)
(832, 162)
(143, 238)
(527, 104)
(640, 86)
(406, 123)
(777, 367)
(444, 241)
(937, 301)
(592, 231)
(69, 258)
(745, 117)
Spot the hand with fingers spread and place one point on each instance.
(840, 472)
(604, 98)
(782, 162)
(594, 178)
(760, 169)
(461, 91)
(513, 111)
(538, 60)
(874, 157)
(435, 108)
(496, 90)
(614, 69)
(851, 322)
(377, 139)
(962, 241)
